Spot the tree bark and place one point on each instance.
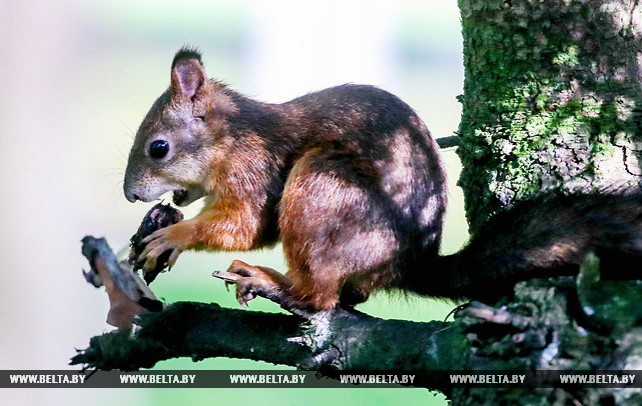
(552, 99)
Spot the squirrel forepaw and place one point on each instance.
(161, 241)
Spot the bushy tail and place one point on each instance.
(543, 237)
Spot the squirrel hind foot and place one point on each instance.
(252, 281)
(269, 275)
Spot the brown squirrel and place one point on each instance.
(350, 180)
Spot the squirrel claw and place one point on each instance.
(252, 281)
(245, 291)
(247, 287)
(155, 235)
(158, 243)
(228, 277)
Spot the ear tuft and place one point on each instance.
(187, 52)
(189, 80)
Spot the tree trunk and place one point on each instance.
(552, 99)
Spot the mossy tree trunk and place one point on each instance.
(552, 99)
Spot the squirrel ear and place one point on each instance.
(188, 74)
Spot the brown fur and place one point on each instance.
(348, 178)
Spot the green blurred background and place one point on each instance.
(76, 79)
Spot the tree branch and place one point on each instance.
(561, 323)
(349, 341)
(448, 142)
(341, 339)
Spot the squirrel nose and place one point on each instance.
(131, 197)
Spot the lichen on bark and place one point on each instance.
(552, 99)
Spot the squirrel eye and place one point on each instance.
(158, 149)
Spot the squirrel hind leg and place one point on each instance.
(337, 233)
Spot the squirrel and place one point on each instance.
(351, 182)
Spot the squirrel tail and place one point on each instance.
(544, 237)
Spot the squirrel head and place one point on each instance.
(175, 141)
